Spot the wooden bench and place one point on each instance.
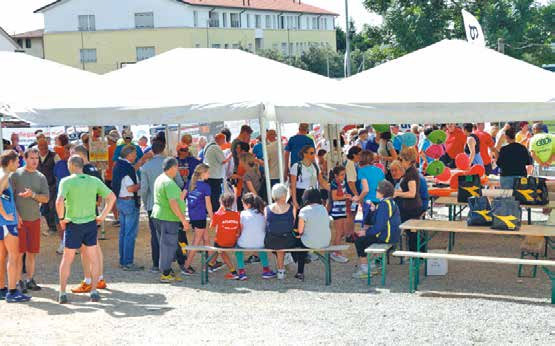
(323, 254)
(413, 282)
(381, 250)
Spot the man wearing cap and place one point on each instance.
(294, 146)
(215, 159)
(244, 137)
(186, 162)
(127, 140)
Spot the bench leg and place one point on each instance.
(368, 263)
(328, 268)
(384, 267)
(529, 216)
(204, 268)
(535, 270)
(520, 265)
(418, 249)
(411, 275)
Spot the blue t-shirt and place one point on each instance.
(373, 175)
(187, 167)
(196, 201)
(117, 152)
(8, 202)
(258, 152)
(60, 171)
(294, 146)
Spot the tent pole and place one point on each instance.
(265, 153)
(1, 133)
(280, 152)
(167, 133)
(178, 132)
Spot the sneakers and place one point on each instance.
(17, 297)
(3, 293)
(313, 257)
(168, 279)
(20, 286)
(101, 285)
(299, 276)
(243, 277)
(95, 297)
(269, 275)
(82, 288)
(231, 276)
(338, 258)
(62, 299)
(281, 274)
(60, 250)
(288, 259)
(32, 285)
(252, 259)
(154, 269)
(362, 273)
(116, 223)
(132, 268)
(215, 267)
(188, 271)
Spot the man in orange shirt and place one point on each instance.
(454, 145)
(486, 144)
(112, 138)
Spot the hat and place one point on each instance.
(437, 137)
(181, 146)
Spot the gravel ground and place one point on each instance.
(473, 304)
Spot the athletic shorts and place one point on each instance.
(224, 247)
(78, 234)
(29, 237)
(340, 217)
(8, 229)
(198, 224)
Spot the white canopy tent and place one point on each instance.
(452, 81)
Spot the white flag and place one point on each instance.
(474, 33)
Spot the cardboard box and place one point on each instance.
(437, 266)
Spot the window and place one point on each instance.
(307, 26)
(257, 21)
(214, 21)
(268, 22)
(248, 20)
(234, 19)
(314, 23)
(87, 23)
(235, 46)
(325, 24)
(20, 42)
(224, 20)
(27, 43)
(216, 45)
(274, 24)
(144, 20)
(195, 19)
(298, 23)
(88, 55)
(281, 22)
(144, 53)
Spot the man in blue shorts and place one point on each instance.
(76, 208)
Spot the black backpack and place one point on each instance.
(300, 169)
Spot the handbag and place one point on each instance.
(524, 190)
(479, 212)
(542, 193)
(506, 214)
(469, 186)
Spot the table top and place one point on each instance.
(461, 227)
(452, 200)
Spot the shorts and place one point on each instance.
(224, 247)
(341, 217)
(198, 224)
(29, 237)
(8, 229)
(78, 234)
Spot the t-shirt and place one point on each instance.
(513, 159)
(386, 149)
(90, 169)
(253, 176)
(253, 230)
(273, 160)
(8, 203)
(373, 175)
(455, 143)
(186, 167)
(410, 206)
(308, 177)
(486, 142)
(227, 224)
(196, 201)
(166, 189)
(543, 144)
(294, 146)
(21, 179)
(80, 191)
(316, 233)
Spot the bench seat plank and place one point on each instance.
(470, 258)
(211, 248)
(378, 248)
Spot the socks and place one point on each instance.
(88, 281)
(265, 269)
(242, 271)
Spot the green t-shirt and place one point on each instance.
(543, 145)
(166, 189)
(80, 191)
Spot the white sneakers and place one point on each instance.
(281, 274)
(338, 258)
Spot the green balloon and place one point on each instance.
(437, 137)
(381, 127)
(435, 168)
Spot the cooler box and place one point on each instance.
(437, 266)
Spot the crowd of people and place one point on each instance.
(220, 185)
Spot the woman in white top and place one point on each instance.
(305, 174)
(253, 232)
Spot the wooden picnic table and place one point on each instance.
(422, 227)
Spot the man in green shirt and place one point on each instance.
(168, 213)
(76, 208)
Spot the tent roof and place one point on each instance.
(454, 80)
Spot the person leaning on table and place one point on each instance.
(168, 213)
(513, 160)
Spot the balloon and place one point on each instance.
(381, 127)
(445, 175)
(437, 137)
(454, 183)
(462, 162)
(479, 170)
(409, 139)
(435, 168)
(435, 151)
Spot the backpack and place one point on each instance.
(300, 169)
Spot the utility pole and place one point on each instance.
(347, 64)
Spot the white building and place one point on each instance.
(31, 42)
(7, 43)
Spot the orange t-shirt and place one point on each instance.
(241, 170)
(225, 146)
(111, 149)
(227, 224)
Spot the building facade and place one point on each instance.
(7, 44)
(31, 43)
(103, 35)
